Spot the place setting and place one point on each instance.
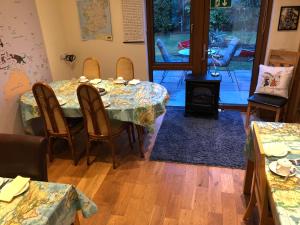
(11, 188)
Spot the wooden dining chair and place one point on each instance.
(274, 103)
(97, 124)
(91, 68)
(55, 124)
(125, 68)
(259, 189)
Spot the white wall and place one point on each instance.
(21, 39)
(54, 37)
(107, 52)
(288, 40)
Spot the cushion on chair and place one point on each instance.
(269, 100)
(274, 80)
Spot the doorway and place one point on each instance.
(219, 37)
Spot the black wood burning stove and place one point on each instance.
(202, 94)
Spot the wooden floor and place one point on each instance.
(142, 192)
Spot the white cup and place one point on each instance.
(284, 166)
(120, 78)
(82, 78)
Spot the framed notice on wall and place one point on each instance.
(133, 21)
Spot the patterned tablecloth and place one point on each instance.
(140, 104)
(285, 194)
(46, 203)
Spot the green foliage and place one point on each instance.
(162, 15)
(220, 19)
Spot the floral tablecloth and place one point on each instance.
(140, 104)
(46, 203)
(285, 194)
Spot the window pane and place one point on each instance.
(171, 30)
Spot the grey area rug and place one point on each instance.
(200, 140)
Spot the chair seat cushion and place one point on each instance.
(269, 100)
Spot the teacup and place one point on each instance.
(284, 166)
(82, 78)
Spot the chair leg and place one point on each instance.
(50, 149)
(129, 136)
(248, 115)
(140, 138)
(132, 132)
(277, 117)
(113, 152)
(88, 146)
(163, 76)
(72, 148)
(250, 206)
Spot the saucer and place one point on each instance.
(118, 81)
(95, 81)
(273, 168)
(83, 81)
(134, 82)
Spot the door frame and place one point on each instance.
(199, 40)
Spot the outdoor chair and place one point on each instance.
(223, 57)
(167, 58)
(269, 102)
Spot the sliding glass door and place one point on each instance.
(232, 36)
(225, 38)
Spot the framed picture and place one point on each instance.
(289, 18)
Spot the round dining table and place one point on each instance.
(140, 104)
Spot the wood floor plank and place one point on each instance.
(144, 192)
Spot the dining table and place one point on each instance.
(46, 203)
(284, 193)
(139, 104)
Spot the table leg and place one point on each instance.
(248, 178)
(140, 131)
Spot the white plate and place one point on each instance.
(273, 166)
(117, 81)
(277, 149)
(25, 188)
(134, 82)
(95, 81)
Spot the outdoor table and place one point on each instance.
(46, 203)
(140, 104)
(284, 195)
(186, 51)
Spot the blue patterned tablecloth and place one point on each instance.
(285, 194)
(46, 203)
(140, 104)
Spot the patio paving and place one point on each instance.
(232, 92)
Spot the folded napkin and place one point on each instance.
(11, 189)
(275, 149)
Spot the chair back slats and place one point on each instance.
(50, 109)
(125, 68)
(284, 58)
(260, 180)
(94, 114)
(91, 68)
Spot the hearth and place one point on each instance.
(202, 95)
